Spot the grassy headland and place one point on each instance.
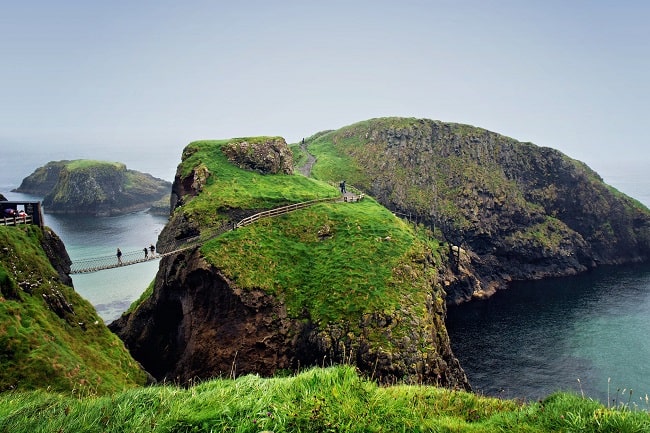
(50, 337)
(230, 187)
(337, 261)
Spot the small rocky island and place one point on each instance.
(96, 188)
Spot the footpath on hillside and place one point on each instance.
(305, 169)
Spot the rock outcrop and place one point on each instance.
(93, 188)
(271, 155)
(247, 304)
(200, 324)
(519, 210)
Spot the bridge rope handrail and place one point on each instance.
(99, 263)
(94, 264)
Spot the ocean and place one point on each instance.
(586, 334)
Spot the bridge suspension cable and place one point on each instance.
(94, 264)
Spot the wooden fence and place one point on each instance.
(16, 220)
(282, 210)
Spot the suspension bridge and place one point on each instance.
(95, 264)
(100, 263)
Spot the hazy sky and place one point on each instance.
(151, 76)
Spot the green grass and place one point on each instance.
(230, 187)
(338, 260)
(50, 337)
(332, 164)
(80, 164)
(333, 399)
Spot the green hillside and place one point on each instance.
(522, 211)
(50, 337)
(336, 260)
(230, 187)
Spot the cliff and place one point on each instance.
(93, 188)
(518, 211)
(50, 337)
(335, 282)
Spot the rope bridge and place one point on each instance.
(95, 264)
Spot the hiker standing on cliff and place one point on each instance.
(119, 256)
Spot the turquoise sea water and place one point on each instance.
(583, 334)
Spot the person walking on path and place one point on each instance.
(119, 256)
(153, 250)
(146, 253)
(342, 186)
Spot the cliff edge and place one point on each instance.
(50, 337)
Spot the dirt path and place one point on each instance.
(311, 159)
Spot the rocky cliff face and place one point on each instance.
(56, 253)
(202, 322)
(519, 210)
(268, 156)
(199, 324)
(43, 179)
(93, 188)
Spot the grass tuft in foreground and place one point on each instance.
(333, 399)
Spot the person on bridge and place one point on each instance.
(119, 256)
(146, 253)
